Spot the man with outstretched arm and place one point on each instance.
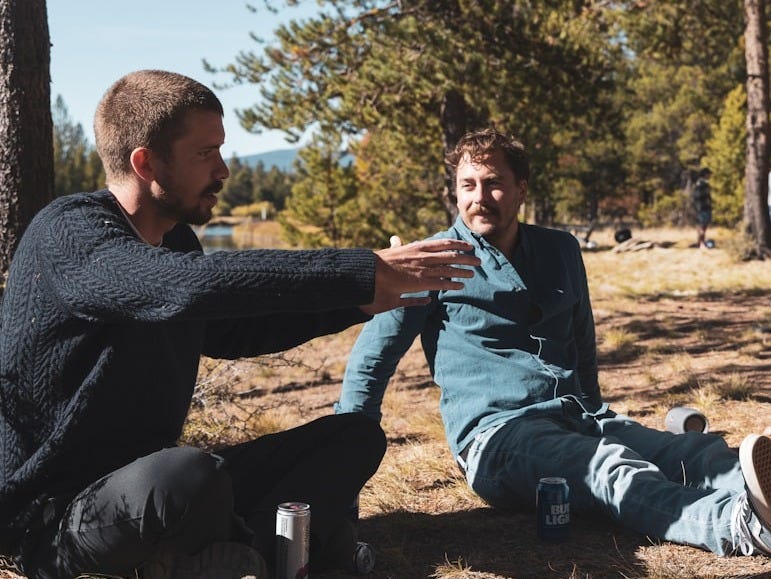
(109, 305)
(514, 355)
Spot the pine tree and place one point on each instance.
(726, 158)
(437, 69)
(315, 213)
(77, 166)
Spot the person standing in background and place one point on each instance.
(701, 197)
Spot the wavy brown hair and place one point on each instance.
(477, 145)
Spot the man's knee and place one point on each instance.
(365, 434)
(187, 482)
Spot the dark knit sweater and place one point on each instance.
(101, 334)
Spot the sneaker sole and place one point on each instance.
(755, 460)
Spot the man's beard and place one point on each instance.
(172, 206)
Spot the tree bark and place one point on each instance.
(457, 118)
(756, 218)
(26, 141)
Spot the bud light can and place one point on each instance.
(553, 508)
(293, 530)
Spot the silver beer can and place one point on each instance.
(293, 531)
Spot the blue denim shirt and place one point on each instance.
(515, 339)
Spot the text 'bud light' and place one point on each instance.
(552, 501)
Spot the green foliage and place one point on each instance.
(667, 209)
(250, 186)
(685, 56)
(363, 68)
(388, 177)
(77, 166)
(726, 157)
(238, 188)
(615, 101)
(316, 214)
(272, 186)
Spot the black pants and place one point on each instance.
(182, 499)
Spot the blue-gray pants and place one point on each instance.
(182, 499)
(677, 487)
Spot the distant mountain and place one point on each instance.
(280, 158)
(283, 159)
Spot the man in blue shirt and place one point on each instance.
(514, 355)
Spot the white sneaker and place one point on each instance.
(217, 561)
(755, 460)
(751, 515)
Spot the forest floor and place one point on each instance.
(675, 326)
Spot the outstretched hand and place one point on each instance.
(415, 267)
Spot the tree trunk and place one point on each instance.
(756, 219)
(26, 147)
(457, 119)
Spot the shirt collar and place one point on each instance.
(479, 241)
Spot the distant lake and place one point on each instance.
(217, 237)
(239, 234)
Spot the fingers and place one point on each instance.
(443, 245)
(449, 257)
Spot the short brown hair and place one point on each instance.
(479, 144)
(146, 108)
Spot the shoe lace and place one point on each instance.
(741, 538)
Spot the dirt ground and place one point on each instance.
(710, 350)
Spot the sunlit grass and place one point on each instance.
(674, 270)
(617, 338)
(734, 387)
(652, 366)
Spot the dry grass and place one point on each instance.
(675, 326)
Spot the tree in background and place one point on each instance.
(26, 150)
(388, 175)
(238, 188)
(316, 213)
(273, 186)
(726, 157)
(77, 166)
(685, 56)
(756, 219)
(438, 69)
(254, 189)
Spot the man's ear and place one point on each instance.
(142, 163)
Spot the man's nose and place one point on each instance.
(478, 194)
(221, 171)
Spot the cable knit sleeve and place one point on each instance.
(99, 270)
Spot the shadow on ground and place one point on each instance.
(489, 543)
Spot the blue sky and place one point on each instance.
(95, 42)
